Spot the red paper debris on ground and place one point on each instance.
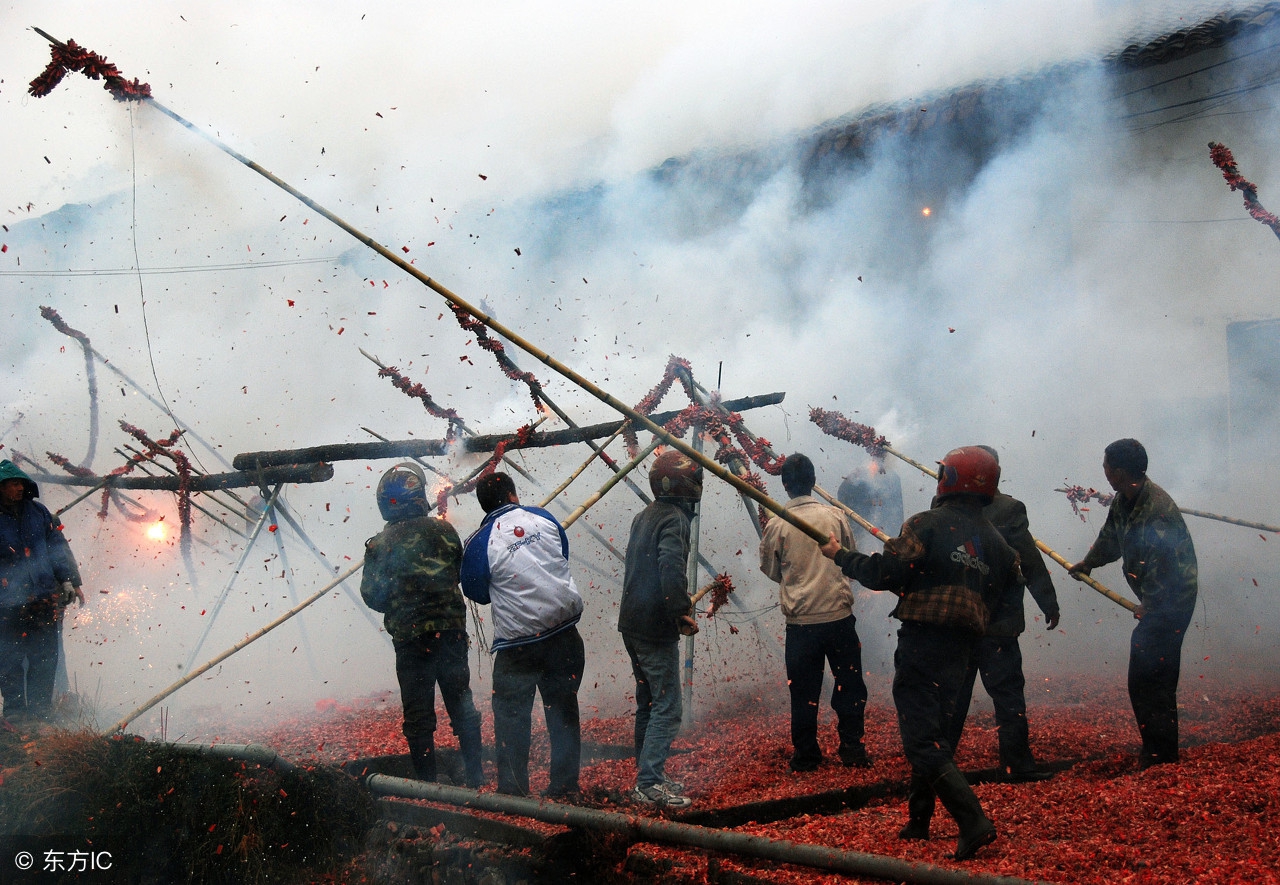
(1213, 817)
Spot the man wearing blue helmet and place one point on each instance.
(411, 571)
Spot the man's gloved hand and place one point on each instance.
(1051, 621)
(68, 592)
(687, 625)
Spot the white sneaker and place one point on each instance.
(676, 787)
(659, 796)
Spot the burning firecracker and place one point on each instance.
(1079, 495)
(837, 425)
(719, 588)
(70, 57)
(509, 368)
(167, 447)
(676, 367)
(1223, 159)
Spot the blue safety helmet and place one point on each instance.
(402, 492)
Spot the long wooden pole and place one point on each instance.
(595, 453)
(1230, 519)
(252, 637)
(610, 483)
(528, 347)
(1043, 547)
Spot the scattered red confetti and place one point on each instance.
(4, 248)
(406, 249)
(291, 302)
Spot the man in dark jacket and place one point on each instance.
(411, 575)
(518, 561)
(997, 655)
(1145, 528)
(950, 568)
(38, 580)
(655, 610)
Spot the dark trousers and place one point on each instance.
(999, 660)
(422, 663)
(28, 663)
(1155, 662)
(810, 647)
(929, 667)
(553, 667)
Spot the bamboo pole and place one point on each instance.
(1043, 547)
(499, 328)
(244, 556)
(595, 453)
(610, 483)
(1230, 519)
(205, 510)
(875, 531)
(252, 637)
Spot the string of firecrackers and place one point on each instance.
(651, 400)
(1223, 159)
(71, 57)
(1079, 495)
(167, 448)
(834, 424)
(417, 391)
(509, 368)
(61, 325)
(719, 588)
(449, 490)
(712, 423)
(108, 494)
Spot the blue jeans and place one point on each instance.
(553, 667)
(656, 666)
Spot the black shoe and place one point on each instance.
(915, 829)
(968, 845)
(800, 766)
(856, 758)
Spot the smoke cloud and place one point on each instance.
(618, 185)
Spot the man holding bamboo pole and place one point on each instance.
(654, 612)
(950, 568)
(518, 562)
(1145, 528)
(817, 604)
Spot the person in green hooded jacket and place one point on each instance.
(38, 579)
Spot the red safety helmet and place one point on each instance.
(968, 470)
(676, 475)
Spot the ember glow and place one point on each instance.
(157, 531)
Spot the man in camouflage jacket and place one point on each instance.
(411, 571)
(1145, 529)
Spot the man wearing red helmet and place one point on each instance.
(654, 611)
(950, 569)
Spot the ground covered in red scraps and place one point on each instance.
(1214, 817)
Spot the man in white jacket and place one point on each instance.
(817, 604)
(518, 561)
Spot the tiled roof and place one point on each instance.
(1210, 33)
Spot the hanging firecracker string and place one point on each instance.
(510, 369)
(1221, 156)
(61, 325)
(70, 57)
(719, 588)
(1079, 495)
(837, 425)
(167, 448)
(417, 391)
(676, 367)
